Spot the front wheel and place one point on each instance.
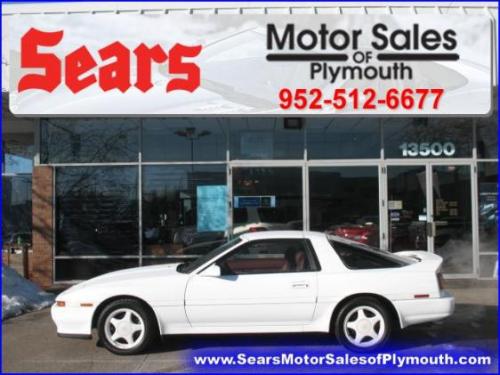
(363, 324)
(125, 327)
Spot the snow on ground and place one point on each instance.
(20, 295)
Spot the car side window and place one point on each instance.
(360, 258)
(269, 256)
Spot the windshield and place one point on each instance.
(191, 266)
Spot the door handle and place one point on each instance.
(300, 285)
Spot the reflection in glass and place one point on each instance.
(487, 136)
(488, 207)
(16, 211)
(156, 261)
(184, 209)
(266, 138)
(452, 217)
(427, 138)
(97, 211)
(83, 269)
(343, 138)
(344, 202)
(267, 199)
(17, 152)
(488, 266)
(184, 139)
(407, 208)
(81, 140)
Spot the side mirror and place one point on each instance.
(212, 271)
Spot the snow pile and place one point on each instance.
(20, 295)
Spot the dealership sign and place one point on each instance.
(250, 65)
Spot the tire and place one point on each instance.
(126, 327)
(363, 325)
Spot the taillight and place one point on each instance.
(440, 280)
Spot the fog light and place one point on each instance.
(60, 303)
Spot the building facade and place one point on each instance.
(101, 194)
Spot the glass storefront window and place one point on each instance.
(17, 152)
(488, 207)
(426, 138)
(16, 212)
(184, 209)
(97, 211)
(343, 138)
(81, 140)
(488, 266)
(266, 138)
(487, 137)
(17, 167)
(83, 269)
(184, 139)
(344, 201)
(267, 198)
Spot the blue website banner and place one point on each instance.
(246, 359)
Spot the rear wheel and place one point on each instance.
(126, 327)
(363, 324)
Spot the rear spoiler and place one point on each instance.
(424, 260)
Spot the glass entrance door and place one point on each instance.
(267, 198)
(452, 217)
(429, 207)
(407, 207)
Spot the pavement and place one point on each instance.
(30, 343)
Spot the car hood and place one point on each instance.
(130, 275)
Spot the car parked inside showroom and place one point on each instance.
(262, 282)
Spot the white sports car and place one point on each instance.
(276, 281)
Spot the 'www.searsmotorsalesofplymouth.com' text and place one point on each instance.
(331, 359)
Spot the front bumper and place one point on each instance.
(73, 321)
(418, 311)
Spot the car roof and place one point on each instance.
(277, 234)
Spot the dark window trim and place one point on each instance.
(312, 252)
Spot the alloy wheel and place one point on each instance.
(124, 328)
(364, 326)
